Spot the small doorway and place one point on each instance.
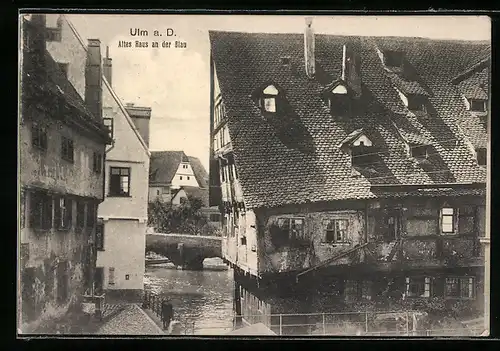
(99, 280)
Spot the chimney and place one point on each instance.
(141, 117)
(107, 66)
(93, 78)
(351, 67)
(37, 39)
(309, 49)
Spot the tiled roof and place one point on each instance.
(164, 164)
(295, 158)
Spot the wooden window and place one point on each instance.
(67, 149)
(481, 156)
(97, 162)
(39, 137)
(188, 178)
(99, 235)
(466, 219)
(80, 215)
(460, 287)
(54, 34)
(63, 213)
(418, 286)
(41, 211)
(108, 122)
(336, 231)
(268, 101)
(448, 220)
(477, 105)
(419, 151)
(119, 184)
(293, 228)
(111, 276)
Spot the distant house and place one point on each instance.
(171, 170)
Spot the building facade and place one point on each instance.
(62, 142)
(350, 170)
(122, 217)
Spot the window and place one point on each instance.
(362, 156)
(418, 287)
(339, 101)
(448, 220)
(97, 162)
(67, 150)
(64, 68)
(54, 34)
(267, 101)
(419, 152)
(477, 105)
(99, 237)
(393, 58)
(336, 231)
(39, 137)
(243, 240)
(63, 213)
(91, 216)
(180, 177)
(481, 156)
(111, 277)
(80, 215)
(119, 183)
(41, 211)
(416, 103)
(157, 192)
(214, 217)
(285, 60)
(292, 227)
(463, 287)
(108, 122)
(422, 220)
(188, 178)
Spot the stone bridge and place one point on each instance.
(187, 251)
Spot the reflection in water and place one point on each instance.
(203, 297)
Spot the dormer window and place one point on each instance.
(360, 147)
(481, 156)
(416, 103)
(477, 105)
(419, 152)
(269, 99)
(393, 59)
(338, 99)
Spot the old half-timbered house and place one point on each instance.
(349, 169)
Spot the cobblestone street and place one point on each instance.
(129, 320)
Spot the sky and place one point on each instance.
(175, 82)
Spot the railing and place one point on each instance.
(153, 303)
(331, 324)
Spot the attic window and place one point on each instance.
(416, 103)
(338, 100)
(477, 105)
(268, 99)
(393, 58)
(285, 60)
(481, 156)
(419, 152)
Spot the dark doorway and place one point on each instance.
(28, 306)
(62, 281)
(99, 280)
(393, 225)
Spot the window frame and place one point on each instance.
(39, 137)
(479, 156)
(475, 101)
(111, 190)
(42, 204)
(63, 213)
(470, 283)
(99, 235)
(332, 227)
(97, 162)
(80, 219)
(453, 216)
(424, 291)
(290, 235)
(110, 127)
(417, 155)
(68, 149)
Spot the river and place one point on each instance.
(202, 300)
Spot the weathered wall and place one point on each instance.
(164, 195)
(128, 258)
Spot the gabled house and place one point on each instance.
(62, 141)
(346, 158)
(122, 216)
(173, 170)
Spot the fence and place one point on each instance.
(153, 303)
(332, 324)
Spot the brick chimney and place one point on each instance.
(93, 78)
(309, 57)
(351, 67)
(141, 117)
(107, 66)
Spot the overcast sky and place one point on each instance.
(175, 82)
